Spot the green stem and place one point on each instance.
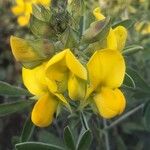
(126, 115)
(106, 135)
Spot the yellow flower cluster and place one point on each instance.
(23, 9)
(143, 27)
(98, 82)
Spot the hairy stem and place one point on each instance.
(106, 135)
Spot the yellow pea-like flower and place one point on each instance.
(97, 13)
(116, 38)
(142, 27)
(105, 78)
(62, 67)
(23, 9)
(46, 105)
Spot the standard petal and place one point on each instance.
(113, 65)
(106, 68)
(34, 80)
(57, 71)
(56, 58)
(75, 66)
(110, 103)
(94, 71)
(44, 109)
(97, 13)
(121, 36)
(117, 38)
(112, 40)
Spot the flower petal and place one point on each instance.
(18, 10)
(111, 40)
(117, 38)
(23, 20)
(75, 66)
(95, 71)
(110, 102)
(44, 109)
(34, 80)
(121, 36)
(97, 13)
(106, 68)
(19, 2)
(76, 87)
(44, 2)
(59, 66)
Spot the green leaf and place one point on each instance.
(129, 81)
(132, 49)
(139, 82)
(97, 31)
(41, 13)
(128, 23)
(69, 38)
(27, 130)
(13, 91)
(69, 139)
(147, 115)
(120, 143)
(41, 28)
(84, 121)
(36, 146)
(48, 137)
(130, 127)
(72, 9)
(84, 140)
(9, 108)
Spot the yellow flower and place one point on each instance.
(97, 13)
(46, 106)
(44, 2)
(142, 27)
(65, 71)
(106, 73)
(117, 37)
(23, 9)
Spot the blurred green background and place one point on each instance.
(133, 133)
